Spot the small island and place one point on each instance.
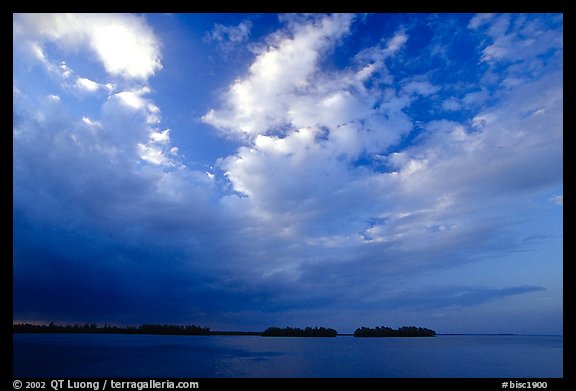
(297, 332)
(404, 331)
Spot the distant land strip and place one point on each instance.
(166, 329)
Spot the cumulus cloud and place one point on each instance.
(100, 156)
(127, 48)
(124, 44)
(301, 170)
(87, 84)
(305, 130)
(258, 103)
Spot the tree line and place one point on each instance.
(404, 331)
(167, 329)
(108, 329)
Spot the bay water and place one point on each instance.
(170, 356)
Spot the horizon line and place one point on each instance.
(101, 325)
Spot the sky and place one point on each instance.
(241, 171)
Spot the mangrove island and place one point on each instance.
(404, 331)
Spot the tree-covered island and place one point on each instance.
(404, 331)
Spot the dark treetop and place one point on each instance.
(404, 331)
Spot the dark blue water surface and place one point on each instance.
(102, 355)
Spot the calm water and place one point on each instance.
(100, 355)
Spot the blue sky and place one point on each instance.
(240, 171)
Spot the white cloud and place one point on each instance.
(126, 47)
(230, 35)
(297, 175)
(451, 104)
(305, 127)
(526, 40)
(475, 98)
(109, 87)
(479, 19)
(286, 94)
(396, 43)
(160, 137)
(421, 87)
(258, 103)
(67, 72)
(136, 100)
(129, 119)
(90, 122)
(37, 51)
(514, 146)
(558, 200)
(86, 84)
(152, 154)
(125, 44)
(372, 59)
(132, 120)
(132, 99)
